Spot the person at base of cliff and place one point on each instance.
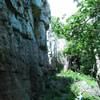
(75, 63)
(80, 97)
(93, 71)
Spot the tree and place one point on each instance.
(82, 31)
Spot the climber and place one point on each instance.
(19, 5)
(26, 8)
(26, 4)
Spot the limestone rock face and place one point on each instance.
(23, 48)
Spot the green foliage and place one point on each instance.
(57, 26)
(78, 77)
(65, 87)
(89, 97)
(82, 31)
(75, 76)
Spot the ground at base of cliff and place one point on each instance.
(68, 86)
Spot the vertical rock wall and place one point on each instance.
(23, 48)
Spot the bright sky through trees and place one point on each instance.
(61, 7)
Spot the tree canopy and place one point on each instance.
(82, 31)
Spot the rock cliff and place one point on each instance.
(23, 48)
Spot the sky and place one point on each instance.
(62, 7)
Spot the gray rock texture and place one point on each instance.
(85, 87)
(23, 48)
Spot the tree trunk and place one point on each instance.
(98, 68)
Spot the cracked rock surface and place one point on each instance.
(23, 48)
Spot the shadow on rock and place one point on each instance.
(59, 88)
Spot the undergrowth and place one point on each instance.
(62, 86)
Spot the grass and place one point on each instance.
(63, 87)
(78, 77)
